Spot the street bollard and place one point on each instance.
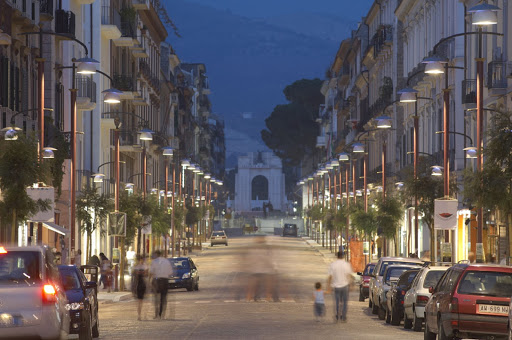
(116, 277)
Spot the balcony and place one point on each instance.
(22, 13)
(497, 77)
(128, 36)
(125, 83)
(321, 141)
(149, 76)
(382, 37)
(344, 75)
(138, 51)
(65, 22)
(86, 96)
(46, 11)
(110, 22)
(141, 5)
(469, 93)
(85, 2)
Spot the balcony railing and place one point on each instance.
(497, 75)
(148, 74)
(46, 7)
(469, 91)
(128, 29)
(384, 34)
(65, 22)
(86, 87)
(110, 16)
(126, 138)
(124, 82)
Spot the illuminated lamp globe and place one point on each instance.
(471, 152)
(358, 147)
(484, 14)
(48, 152)
(383, 122)
(408, 95)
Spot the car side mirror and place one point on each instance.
(90, 284)
(431, 290)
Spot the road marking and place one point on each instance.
(287, 300)
(203, 302)
(230, 301)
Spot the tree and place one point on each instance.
(291, 128)
(92, 210)
(365, 222)
(19, 169)
(390, 212)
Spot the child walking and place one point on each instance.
(319, 306)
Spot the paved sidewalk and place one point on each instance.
(104, 297)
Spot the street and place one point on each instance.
(219, 309)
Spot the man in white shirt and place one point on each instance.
(160, 270)
(340, 277)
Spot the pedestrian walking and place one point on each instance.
(319, 306)
(340, 277)
(106, 272)
(78, 258)
(139, 275)
(160, 271)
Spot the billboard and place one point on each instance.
(445, 214)
(116, 224)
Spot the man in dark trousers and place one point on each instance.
(160, 271)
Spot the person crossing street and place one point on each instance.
(160, 271)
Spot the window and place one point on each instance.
(407, 277)
(432, 278)
(496, 284)
(20, 267)
(259, 188)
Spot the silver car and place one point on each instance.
(219, 237)
(32, 303)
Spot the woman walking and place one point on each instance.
(139, 274)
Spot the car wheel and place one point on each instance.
(86, 330)
(442, 334)
(196, 287)
(395, 317)
(407, 322)
(388, 316)
(226, 244)
(190, 288)
(428, 335)
(375, 308)
(369, 302)
(381, 313)
(96, 327)
(211, 244)
(361, 296)
(416, 323)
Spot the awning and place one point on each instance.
(56, 228)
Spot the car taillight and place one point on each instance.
(49, 293)
(454, 305)
(2, 250)
(421, 299)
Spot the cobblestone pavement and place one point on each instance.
(219, 309)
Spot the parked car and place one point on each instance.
(417, 296)
(32, 302)
(395, 296)
(365, 281)
(82, 303)
(290, 229)
(376, 277)
(185, 274)
(470, 301)
(218, 237)
(391, 275)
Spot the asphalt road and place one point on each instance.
(219, 310)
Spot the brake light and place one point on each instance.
(421, 299)
(49, 293)
(403, 292)
(2, 250)
(454, 305)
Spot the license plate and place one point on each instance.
(172, 281)
(8, 320)
(492, 309)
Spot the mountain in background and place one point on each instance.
(250, 61)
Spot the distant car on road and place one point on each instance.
(470, 301)
(82, 302)
(32, 302)
(218, 237)
(185, 274)
(365, 281)
(290, 229)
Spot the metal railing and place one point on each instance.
(65, 22)
(110, 16)
(46, 7)
(86, 87)
(124, 82)
(153, 80)
(128, 29)
(497, 75)
(469, 91)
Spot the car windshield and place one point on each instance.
(69, 279)
(386, 264)
(19, 266)
(369, 269)
(496, 284)
(406, 279)
(218, 233)
(393, 274)
(432, 278)
(180, 263)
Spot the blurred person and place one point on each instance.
(319, 305)
(106, 272)
(471, 257)
(340, 277)
(160, 271)
(131, 258)
(78, 258)
(260, 269)
(503, 260)
(139, 275)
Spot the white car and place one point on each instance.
(219, 237)
(32, 303)
(417, 296)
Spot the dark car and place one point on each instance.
(82, 302)
(364, 287)
(470, 301)
(290, 229)
(396, 295)
(185, 274)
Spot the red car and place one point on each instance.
(470, 301)
(364, 287)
